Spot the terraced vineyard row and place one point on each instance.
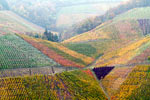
(74, 85)
(59, 53)
(16, 53)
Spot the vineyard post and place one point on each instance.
(53, 71)
(30, 72)
(66, 69)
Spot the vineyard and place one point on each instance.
(16, 53)
(115, 78)
(126, 54)
(117, 34)
(136, 86)
(110, 62)
(59, 53)
(123, 30)
(74, 85)
(82, 48)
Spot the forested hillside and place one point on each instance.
(91, 23)
(52, 13)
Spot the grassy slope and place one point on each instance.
(12, 23)
(66, 54)
(75, 85)
(16, 53)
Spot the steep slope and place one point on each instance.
(90, 24)
(16, 53)
(75, 85)
(59, 53)
(136, 86)
(130, 17)
(111, 83)
(115, 33)
(52, 13)
(135, 53)
(12, 23)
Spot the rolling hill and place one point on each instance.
(75, 85)
(135, 53)
(59, 53)
(116, 33)
(51, 13)
(16, 53)
(12, 23)
(136, 86)
(91, 23)
(108, 62)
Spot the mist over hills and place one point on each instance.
(4, 5)
(49, 13)
(91, 23)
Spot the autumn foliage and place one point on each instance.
(51, 53)
(75, 85)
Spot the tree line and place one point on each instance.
(47, 35)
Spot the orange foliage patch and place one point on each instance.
(89, 72)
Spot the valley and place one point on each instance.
(108, 62)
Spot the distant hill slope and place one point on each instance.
(74, 85)
(115, 33)
(12, 23)
(52, 13)
(91, 23)
(136, 13)
(17, 53)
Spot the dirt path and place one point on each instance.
(30, 71)
(104, 90)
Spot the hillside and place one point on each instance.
(135, 53)
(91, 23)
(136, 86)
(75, 85)
(59, 53)
(132, 15)
(109, 62)
(114, 33)
(12, 23)
(52, 13)
(16, 53)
